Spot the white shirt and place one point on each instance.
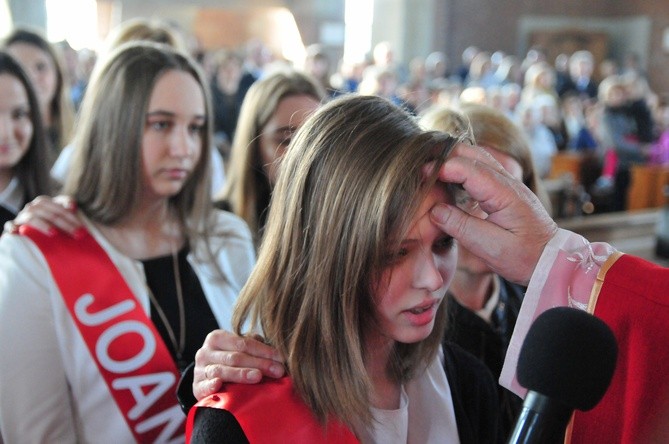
(426, 414)
(486, 311)
(12, 196)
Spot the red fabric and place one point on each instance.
(610, 163)
(634, 302)
(272, 412)
(125, 345)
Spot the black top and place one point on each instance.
(473, 392)
(200, 319)
(569, 86)
(489, 342)
(227, 106)
(5, 216)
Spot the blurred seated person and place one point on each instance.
(622, 145)
(317, 64)
(580, 80)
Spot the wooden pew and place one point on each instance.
(647, 186)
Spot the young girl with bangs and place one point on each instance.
(349, 286)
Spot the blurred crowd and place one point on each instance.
(605, 111)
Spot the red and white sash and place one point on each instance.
(125, 345)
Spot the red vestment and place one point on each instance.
(632, 297)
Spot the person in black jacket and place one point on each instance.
(353, 300)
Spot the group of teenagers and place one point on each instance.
(363, 277)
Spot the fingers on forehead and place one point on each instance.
(478, 154)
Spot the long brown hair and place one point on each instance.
(349, 186)
(61, 107)
(105, 178)
(32, 170)
(247, 188)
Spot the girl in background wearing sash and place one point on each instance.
(349, 287)
(24, 161)
(140, 180)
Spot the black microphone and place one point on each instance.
(566, 362)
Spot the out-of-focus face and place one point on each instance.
(616, 97)
(318, 67)
(275, 137)
(467, 262)
(581, 68)
(40, 68)
(172, 140)
(416, 279)
(546, 80)
(16, 128)
(228, 75)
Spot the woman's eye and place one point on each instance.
(160, 125)
(21, 114)
(196, 129)
(443, 244)
(395, 256)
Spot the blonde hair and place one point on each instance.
(608, 85)
(348, 188)
(151, 30)
(247, 189)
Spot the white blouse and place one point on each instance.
(12, 196)
(426, 413)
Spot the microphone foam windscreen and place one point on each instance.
(568, 355)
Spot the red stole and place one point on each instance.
(272, 412)
(123, 342)
(634, 301)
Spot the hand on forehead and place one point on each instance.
(467, 172)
